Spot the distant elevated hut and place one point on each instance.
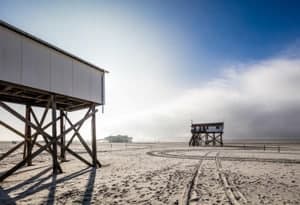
(119, 139)
(206, 134)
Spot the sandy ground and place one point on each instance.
(169, 173)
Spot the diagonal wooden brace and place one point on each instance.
(36, 153)
(81, 139)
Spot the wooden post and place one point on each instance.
(25, 148)
(94, 142)
(54, 136)
(28, 136)
(53, 140)
(63, 138)
(221, 138)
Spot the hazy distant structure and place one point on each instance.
(35, 73)
(119, 138)
(206, 134)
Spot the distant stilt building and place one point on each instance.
(207, 134)
(118, 139)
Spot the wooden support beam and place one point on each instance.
(11, 150)
(82, 140)
(79, 126)
(22, 163)
(37, 128)
(94, 140)
(51, 140)
(56, 168)
(16, 114)
(63, 137)
(17, 132)
(71, 140)
(76, 155)
(39, 124)
(12, 129)
(43, 133)
(28, 137)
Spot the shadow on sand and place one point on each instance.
(37, 183)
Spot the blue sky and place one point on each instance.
(204, 34)
(168, 54)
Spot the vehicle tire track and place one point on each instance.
(232, 192)
(190, 186)
(166, 154)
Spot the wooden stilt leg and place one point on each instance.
(54, 138)
(94, 142)
(28, 136)
(51, 141)
(221, 138)
(63, 138)
(25, 149)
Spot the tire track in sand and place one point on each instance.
(186, 198)
(232, 192)
(209, 184)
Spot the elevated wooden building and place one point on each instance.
(35, 73)
(207, 134)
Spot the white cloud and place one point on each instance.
(259, 100)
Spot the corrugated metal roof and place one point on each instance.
(36, 39)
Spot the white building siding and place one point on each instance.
(35, 65)
(61, 74)
(27, 62)
(81, 80)
(10, 56)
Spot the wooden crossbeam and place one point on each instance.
(36, 153)
(22, 135)
(76, 155)
(16, 132)
(40, 124)
(81, 139)
(12, 129)
(49, 140)
(79, 123)
(79, 126)
(16, 114)
(11, 150)
(198, 138)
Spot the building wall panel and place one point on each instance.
(96, 87)
(36, 65)
(28, 62)
(61, 74)
(81, 80)
(10, 56)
